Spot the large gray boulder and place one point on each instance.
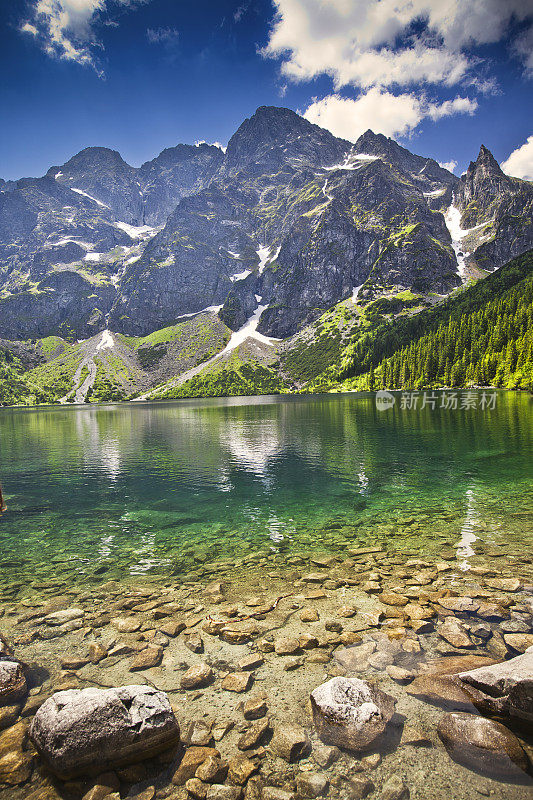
(91, 730)
(12, 681)
(351, 713)
(507, 688)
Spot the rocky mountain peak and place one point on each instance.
(483, 181)
(100, 157)
(486, 163)
(273, 136)
(376, 144)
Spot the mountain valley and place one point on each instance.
(238, 272)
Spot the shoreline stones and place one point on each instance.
(92, 730)
(350, 713)
(482, 744)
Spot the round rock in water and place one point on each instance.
(12, 681)
(350, 713)
(482, 744)
(93, 730)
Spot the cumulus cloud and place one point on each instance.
(520, 162)
(369, 43)
(382, 111)
(66, 28)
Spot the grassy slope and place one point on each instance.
(451, 344)
(309, 354)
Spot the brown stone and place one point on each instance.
(193, 641)
(13, 738)
(482, 744)
(393, 599)
(8, 716)
(15, 768)
(147, 658)
(454, 633)
(255, 707)
(192, 758)
(197, 676)
(127, 624)
(105, 785)
(399, 674)
(237, 682)
(285, 646)
(196, 788)
(290, 742)
(240, 769)
(250, 662)
(309, 614)
(73, 662)
(319, 658)
(461, 605)
(357, 788)
(503, 584)
(212, 770)
(311, 784)
(442, 690)
(96, 652)
(518, 641)
(307, 641)
(346, 611)
(253, 736)
(172, 628)
(221, 792)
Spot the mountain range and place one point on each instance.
(201, 255)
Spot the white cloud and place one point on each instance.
(459, 105)
(523, 47)
(357, 41)
(166, 36)
(66, 28)
(383, 112)
(520, 162)
(449, 165)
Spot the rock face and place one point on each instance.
(482, 744)
(90, 730)
(350, 713)
(507, 688)
(289, 213)
(497, 206)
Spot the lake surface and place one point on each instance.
(122, 491)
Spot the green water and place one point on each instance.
(117, 491)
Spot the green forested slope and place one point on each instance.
(481, 336)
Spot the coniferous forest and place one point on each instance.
(482, 336)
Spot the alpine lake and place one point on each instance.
(280, 541)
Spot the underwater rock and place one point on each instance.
(482, 744)
(290, 742)
(12, 682)
(197, 676)
(80, 731)
(506, 687)
(350, 713)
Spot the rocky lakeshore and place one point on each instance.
(343, 675)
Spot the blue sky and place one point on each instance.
(440, 76)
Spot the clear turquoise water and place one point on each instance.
(166, 489)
